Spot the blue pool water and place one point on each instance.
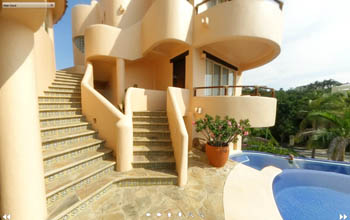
(261, 160)
(306, 189)
(307, 194)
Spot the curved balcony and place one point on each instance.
(247, 33)
(82, 17)
(256, 104)
(167, 21)
(108, 41)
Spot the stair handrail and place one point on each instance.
(179, 135)
(123, 133)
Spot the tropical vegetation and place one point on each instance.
(220, 132)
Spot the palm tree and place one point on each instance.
(318, 129)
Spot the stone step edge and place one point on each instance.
(63, 137)
(75, 163)
(108, 184)
(152, 140)
(64, 126)
(149, 123)
(47, 156)
(59, 109)
(62, 117)
(59, 97)
(65, 87)
(64, 71)
(65, 84)
(59, 103)
(53, 192)
(155, 162)
(137, 130)
(150, 116)
(159, 149)
(62, 92)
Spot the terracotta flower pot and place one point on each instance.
(217, 156)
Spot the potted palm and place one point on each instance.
(218, 134)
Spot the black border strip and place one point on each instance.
(218, 60)
(179, 57)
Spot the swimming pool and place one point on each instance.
(308, 194)
(306, 188)
(259, 160)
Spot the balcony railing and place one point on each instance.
(211, 3)
(245, 90)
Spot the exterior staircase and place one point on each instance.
(78, 169)
(76, 163)
(152, 143)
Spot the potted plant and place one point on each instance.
(218, 134)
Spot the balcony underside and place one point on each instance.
(245, 52)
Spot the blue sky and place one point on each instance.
(315, 46)
(63, 37)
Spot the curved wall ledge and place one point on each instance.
(167, 20)
(247, 33)
(33, 18)
(261, 111)
(105, 40)
(82, 17)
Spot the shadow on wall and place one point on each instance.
(134, 13)
(13, 54)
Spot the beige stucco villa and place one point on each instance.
(144, 70)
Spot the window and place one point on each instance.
(79, 43)
(218, 75)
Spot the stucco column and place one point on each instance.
(238, 92)
(50, 25)
(238, 82)
(120, 80)
(22, 187)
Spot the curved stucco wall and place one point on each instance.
(261, 111)
(240, 24)
(105, 40)
(82, 17)
(167, 20)
(45, 66)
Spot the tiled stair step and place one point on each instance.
(63, 186)
(145, 141)
(154, 161)
(64, 140)
(44, 99)
(62, 93)
(63, 89)
(160, 134)
(59, 105)
(76, 87)
(148, 181)
(150, 113)
(68, 78)
(148, 150)
(69, 72)
(64, 167)
(46, 113)
(78, 200)
(162, 119)
(60, 150)
(151, 125)
(64, 120)
(75, 84)
(64, 129)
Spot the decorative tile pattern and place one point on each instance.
(59, 195)
(46, 114)
(63, 121)
(63, 131)
(58, 106)
(72, 154)
(68, 141)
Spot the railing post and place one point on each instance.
(194, 91)
(226, 90)
(256, 90)
(273, 93)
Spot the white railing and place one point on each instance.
(113, 126)
(177, 105)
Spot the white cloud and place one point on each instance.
(316, 46)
